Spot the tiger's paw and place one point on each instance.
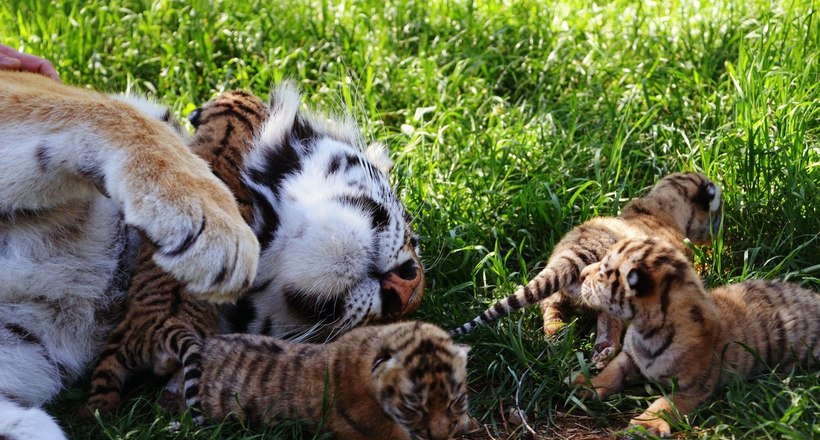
(601, 355)
(652, 424)
(584, 387)
(104, 404)
(551, 328)
(202, 239)
(18, 423)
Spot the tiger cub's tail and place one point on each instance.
(559, 272)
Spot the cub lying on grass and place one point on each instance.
(399, 381)
(682, 333)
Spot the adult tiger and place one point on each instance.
(83, 172)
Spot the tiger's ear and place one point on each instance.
(462, 350)
(284, 105)
(377, 154)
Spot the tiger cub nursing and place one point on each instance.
(396, 381)
(681, 333)
(164, 324)
(681, 205)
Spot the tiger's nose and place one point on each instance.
(401, 290)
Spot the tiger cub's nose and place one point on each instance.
(400, 288)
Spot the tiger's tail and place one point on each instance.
(556, 275)
(187, 343)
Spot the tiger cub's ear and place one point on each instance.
(462, 350)
(377, 154)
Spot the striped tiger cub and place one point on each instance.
(681, 205)
(681, 333)
(396, 381)
(164, 323)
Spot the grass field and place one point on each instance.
(510, 122)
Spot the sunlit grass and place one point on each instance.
(510, 122)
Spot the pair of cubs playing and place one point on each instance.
(636, 268)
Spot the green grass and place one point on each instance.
(510, 122)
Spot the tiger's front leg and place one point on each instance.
(607, 339)
(61, 145)
(611, 379)
(653, 418)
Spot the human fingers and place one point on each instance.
(11, 59)
(9, 63)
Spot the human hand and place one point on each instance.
(10, 59)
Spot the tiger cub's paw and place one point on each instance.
(653, 424)
(602, 356)
(584, 387)
(551, 328)
(202, 239)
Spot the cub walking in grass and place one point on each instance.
(398, 381)
(681, 205)
(681, 333)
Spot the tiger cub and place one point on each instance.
(396, 381)
(681, 205)
(164, 324)
(681, 333)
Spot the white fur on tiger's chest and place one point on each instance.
(655, 357)
(57, 278)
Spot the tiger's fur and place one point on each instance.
(397, 381)
(337, 247)
(256, 153)
(681, 205)
(164, 324)
(681, 333)
(80, 172)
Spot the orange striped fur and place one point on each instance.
(397, 381)
(164, 323)
(681, 333)
(92, 141)
(681, 205)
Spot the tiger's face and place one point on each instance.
(637, 277)
(694, 201)
(338, 250)
(422, 383)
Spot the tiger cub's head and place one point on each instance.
(338, 250)
(692, 201)
(638, 279)
(421, 380)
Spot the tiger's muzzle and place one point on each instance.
(401, 291)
